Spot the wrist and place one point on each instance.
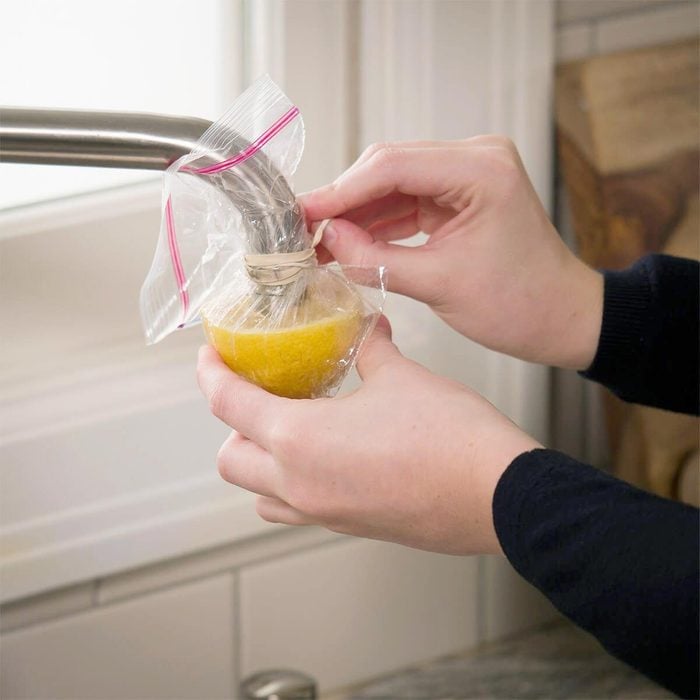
(575, 339)
(557, 319)
(591, 301)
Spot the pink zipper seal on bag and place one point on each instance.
(253, 148)
(176, 260)
(227, 164)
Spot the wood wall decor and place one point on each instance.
(628, 135)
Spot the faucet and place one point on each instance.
(153, 142)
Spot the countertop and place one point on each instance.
(558, 661)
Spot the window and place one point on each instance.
(170, 56)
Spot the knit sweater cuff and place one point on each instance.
(622, 346)
(515, 489)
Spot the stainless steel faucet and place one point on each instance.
(153, 142)
(102, 139)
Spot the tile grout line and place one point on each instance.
(236, 634)
(96, 604)
(51, 615)
(592, 43)
(481, 600)
(625, 14)
(593, 38)
(263, 559)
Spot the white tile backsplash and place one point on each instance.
(576, 10)
(594, 27)
(46, 606)
(207, 563)
(658, 26)
(354, 610)
(574, 42)
(175, 644)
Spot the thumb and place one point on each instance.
(378, 350)
(411, 270)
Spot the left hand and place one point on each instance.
(409, 457)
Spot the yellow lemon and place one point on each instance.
(302, 351)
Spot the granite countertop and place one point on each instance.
(558, 661)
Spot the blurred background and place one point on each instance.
(128, 569)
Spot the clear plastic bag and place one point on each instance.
(234, 251)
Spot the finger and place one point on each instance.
(243, 463)
(376, 147)
(394, 206)
(396, 230)
(373, 149)
(320, 207)
(249, 409)
(323, 256)
(378, 350)
(412, 270)
(430, 172)
(434, 218)
(275, 510)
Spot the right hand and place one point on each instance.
(493, 267)
(407, 457)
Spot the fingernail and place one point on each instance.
(329, 233)
(323, 232)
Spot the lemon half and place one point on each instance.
(302, 352)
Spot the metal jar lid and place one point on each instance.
(279, 684)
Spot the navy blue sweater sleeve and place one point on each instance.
(620, 562)
(648, 347)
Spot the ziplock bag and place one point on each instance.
(234, 252)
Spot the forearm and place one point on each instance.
(621, 563)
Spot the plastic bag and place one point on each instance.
(234, 250)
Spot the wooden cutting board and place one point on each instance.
(628, 134)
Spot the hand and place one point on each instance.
(493, 267)
(409, 457)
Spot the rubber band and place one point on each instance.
(276, 269)
(214, 169)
